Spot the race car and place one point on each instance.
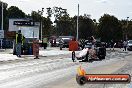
(91, 52)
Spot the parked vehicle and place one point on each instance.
(66, 40)
(57, 42)
(129, 45)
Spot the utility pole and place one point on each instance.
(41, 22)
(1, 22)
(77, 23)
(41, 30)
(126, 37)
(2, 16)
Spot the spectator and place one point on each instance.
(45, 42)
(125, 45)
(53, 42)
(61, 42)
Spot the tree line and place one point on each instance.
(107, 28)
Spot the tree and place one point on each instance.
(35, 16)
(47, 27)
(63, 21)
(86, 27)
(129, 30)
(47, 23)
(126, 29)
(49, 12)
(15, 12)
(109, 28)
(64, 25)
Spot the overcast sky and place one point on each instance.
(96, 8)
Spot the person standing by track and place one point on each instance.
(19, 43)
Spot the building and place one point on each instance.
(29, 29)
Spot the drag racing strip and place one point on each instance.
(29, 60)
(121, 66)
(44, 60)
(71, 83)
(127, 69)
(40, 72)
(54, 52)
(130, 85)
(32, 62)
(28, 68)
(108, 66)
(38, 80)
(8, 57)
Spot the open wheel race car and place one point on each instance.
(91, 52)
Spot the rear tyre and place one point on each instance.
(73, 56)
(87, 57)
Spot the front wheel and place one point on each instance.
(73, 56)
(87, 57)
